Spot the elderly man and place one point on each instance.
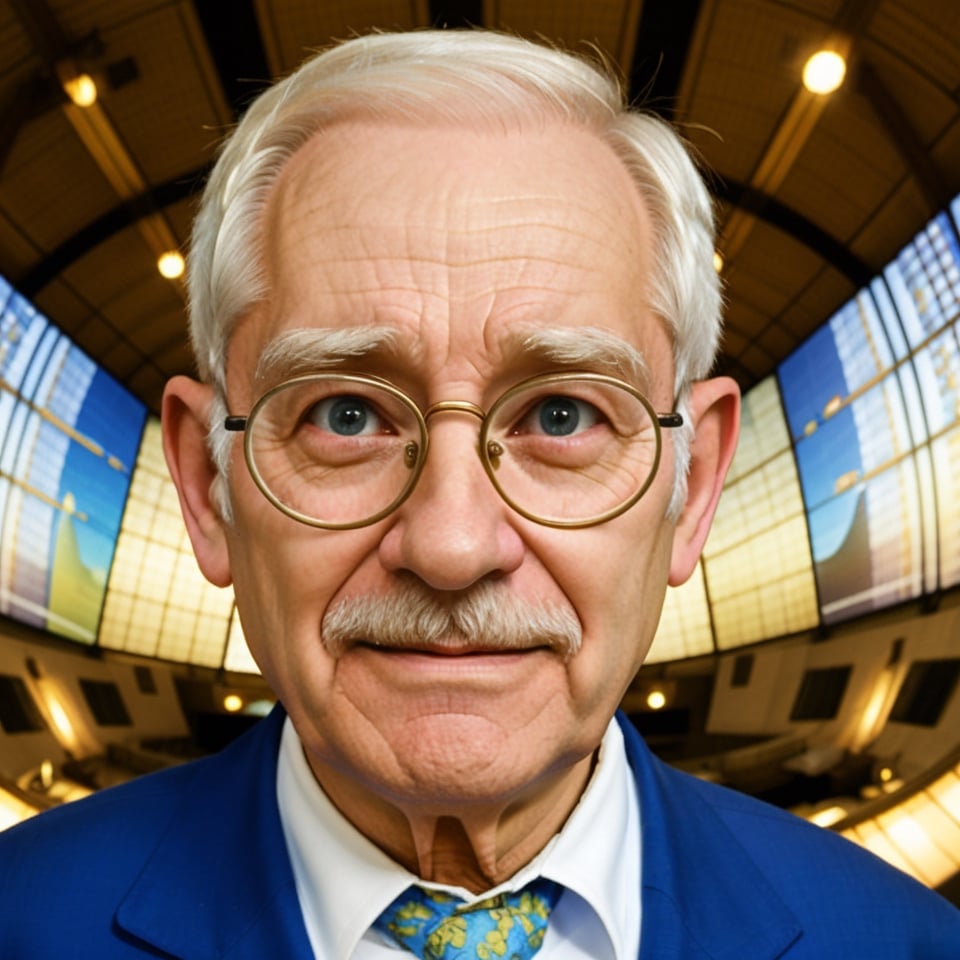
(453, 307)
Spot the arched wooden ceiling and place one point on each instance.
(816, 194)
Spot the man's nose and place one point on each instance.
(454, 529)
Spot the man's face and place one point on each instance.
(458, 242)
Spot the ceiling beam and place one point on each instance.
(455, 14)
(754, 203)
(796, 126)
(106, 226)
(92, 125)
(903, 137)
(28, 99)
(664, 35)
(36, 18)
(238, 53)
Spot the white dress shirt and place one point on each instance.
(344, 881)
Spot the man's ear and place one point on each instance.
(186, 406)
(714, 409)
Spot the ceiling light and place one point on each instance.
(81, 89)
(232, 702)
(171, 264)
(656, 699)
(824, 72)
(717, 261)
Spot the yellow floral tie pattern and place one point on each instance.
(436, 926)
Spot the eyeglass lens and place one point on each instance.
(342, 451)
(571, 449)
(334, 451)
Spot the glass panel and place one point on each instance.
(853, 439)
(757, 560)
(238, 656)
(68, 439)
(158, 603)
(925, 280)
(684, 629)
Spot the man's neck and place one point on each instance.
(476, 847)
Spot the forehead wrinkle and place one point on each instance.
(551, 213)
(459, 239)
(450, 242)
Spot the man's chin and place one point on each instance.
(455, 761)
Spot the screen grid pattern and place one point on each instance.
(158, 603)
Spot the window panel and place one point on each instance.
(946, 474)
(238, 657)
(158, 602)
(684, 629)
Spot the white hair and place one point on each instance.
(456, 77)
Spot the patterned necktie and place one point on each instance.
(437, 926)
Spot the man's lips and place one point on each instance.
(447, 649)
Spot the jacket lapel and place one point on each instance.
(703, 895)
(219, 884)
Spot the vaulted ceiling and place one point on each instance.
(815, 194)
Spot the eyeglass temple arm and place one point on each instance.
(666, 420)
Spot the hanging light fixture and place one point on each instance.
(81, 89)
(656, 699)
(824, 72)
(77, 84)
(171, 264)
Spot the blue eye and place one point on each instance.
(559, 416)
(563, 416)
(346, 416)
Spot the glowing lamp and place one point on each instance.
(656, 699)
(824, 72)
(81, 89)
(171, 264)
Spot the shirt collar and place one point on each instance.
(344, 881)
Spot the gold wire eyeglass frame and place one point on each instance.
(489, 450)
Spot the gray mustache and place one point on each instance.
(486, 616)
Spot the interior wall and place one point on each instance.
(56, 688)
(763, 706)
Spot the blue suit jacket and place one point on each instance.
(191, 863)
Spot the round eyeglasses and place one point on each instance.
(340, 451)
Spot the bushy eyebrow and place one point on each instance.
(584, 348)
(300, 352)
(309, 350)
